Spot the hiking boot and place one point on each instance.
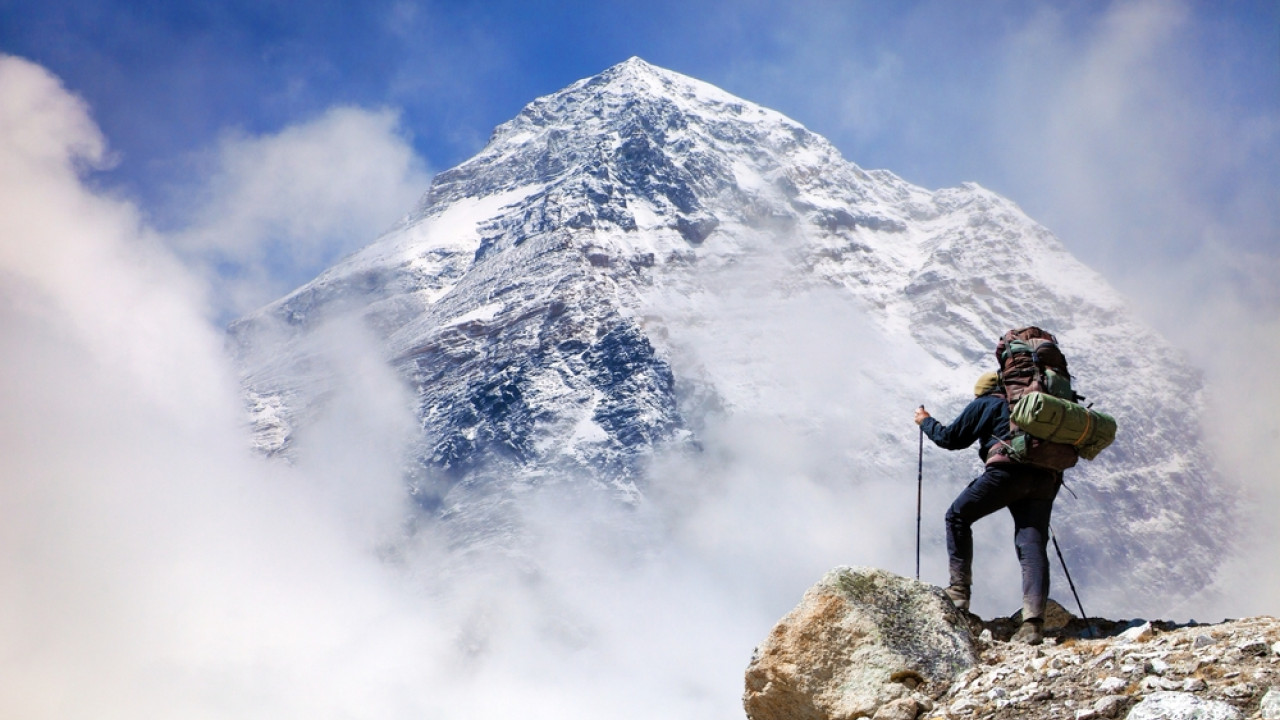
(959, 595)
(1031, 632)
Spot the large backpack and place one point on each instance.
(1030, 361)
(1048, 427)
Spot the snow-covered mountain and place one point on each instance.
(614, 269)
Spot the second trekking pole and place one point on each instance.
(919, 494)
(1065, 571)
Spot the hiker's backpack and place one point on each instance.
(1030, 361)
(1049, 428)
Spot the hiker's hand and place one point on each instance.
(921, 414)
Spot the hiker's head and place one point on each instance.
(986, 384)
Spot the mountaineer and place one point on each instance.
(1030, 426)
(1027, 490)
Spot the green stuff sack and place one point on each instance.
(1046, 417)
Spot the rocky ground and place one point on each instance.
(1109, 669)
(865, 643)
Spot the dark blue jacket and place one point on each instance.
(986, 420)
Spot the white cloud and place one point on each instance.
(153, 566)
(86, 259)
(277, 209)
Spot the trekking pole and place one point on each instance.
(1072, 585)
(919, 494)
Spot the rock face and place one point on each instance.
(868, 644)
(862, 643)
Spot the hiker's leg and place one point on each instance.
(1031, 516)
(989, 492)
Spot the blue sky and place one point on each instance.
(921, 88)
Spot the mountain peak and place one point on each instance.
(634, 65)
(634, 76)
(632, 121)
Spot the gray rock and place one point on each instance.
(1252, 646)
(1182, 706)
(1112, 684)
(1154, 683)
(1270, 707)
(1240, 691)
(1194, 685)
(1109, 706)
(859, 641)
(900, 709)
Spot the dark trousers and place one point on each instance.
(1028, 492)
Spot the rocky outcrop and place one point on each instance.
(862, 643)
(845, 652)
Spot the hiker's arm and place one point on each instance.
(961, 433)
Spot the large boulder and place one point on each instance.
(862, 643)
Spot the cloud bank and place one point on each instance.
(277, 209)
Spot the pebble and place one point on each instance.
(1202, 641)
(1240, 691)
(1112, 685)
(1253, 646)
(1153, 683)
(1109, 706)
(900, 709)
(1194, 685)
(1141, 633)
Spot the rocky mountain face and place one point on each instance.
(864, 643)
(542, 300)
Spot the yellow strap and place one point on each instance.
(1088, 424)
